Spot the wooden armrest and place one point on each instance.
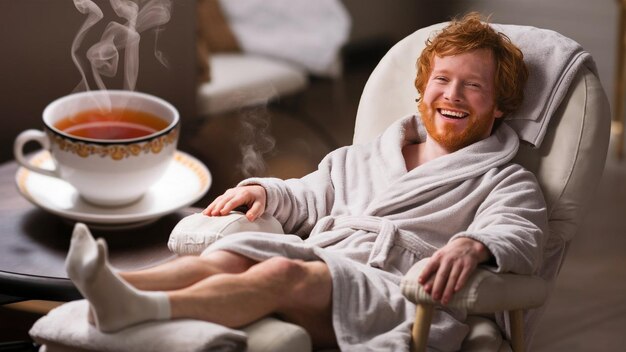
(485, 292)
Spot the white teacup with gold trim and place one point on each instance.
(111, 145)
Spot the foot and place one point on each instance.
(114, 303)
(81, 259)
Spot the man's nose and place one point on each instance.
(453, 92)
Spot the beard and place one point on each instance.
(448, 135)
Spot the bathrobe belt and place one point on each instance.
(388, 236)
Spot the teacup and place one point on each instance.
(112, 146)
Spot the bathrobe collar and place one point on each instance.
(466, 163)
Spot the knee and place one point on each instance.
(298, 285)
(293, 276)
(282, 268)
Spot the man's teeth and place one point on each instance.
(453, 114)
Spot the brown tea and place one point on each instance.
(113, 124)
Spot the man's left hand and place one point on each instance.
(449, 268)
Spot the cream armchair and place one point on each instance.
(568, 164)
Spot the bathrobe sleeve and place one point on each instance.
(512, 222)
(299, 203)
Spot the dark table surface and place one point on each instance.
(34, 243)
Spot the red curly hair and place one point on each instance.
(468, 34)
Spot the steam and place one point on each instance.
(104, 56)
(120, 41)
(94, 15)
(255, 142)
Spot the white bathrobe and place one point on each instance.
(369, 220)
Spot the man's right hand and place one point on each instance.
(450, 267)
(252, 196)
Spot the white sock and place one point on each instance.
(114, 303)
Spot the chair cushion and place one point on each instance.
(484, 335)
(308, 34)
(195, 232)
(166, 335)
(239, 81)
(274, 335)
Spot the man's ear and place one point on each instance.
(497, 113)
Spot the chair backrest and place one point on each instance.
(568, 164)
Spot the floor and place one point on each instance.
(587, 311)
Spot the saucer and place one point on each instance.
(186, 180)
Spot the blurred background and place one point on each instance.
(255, 100)
(258, 60)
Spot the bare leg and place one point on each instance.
(186, 271)
(301, 292)
(298, 291)
(311, 305)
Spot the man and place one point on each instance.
(441, 186)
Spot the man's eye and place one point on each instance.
(441, 79)
(473, 85)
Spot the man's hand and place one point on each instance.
(449, 268)
(252, 196)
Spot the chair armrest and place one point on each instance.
(195, 232)
(484, 292)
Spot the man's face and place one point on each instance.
(458, 105)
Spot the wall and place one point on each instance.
(593, 24)
(390, 21)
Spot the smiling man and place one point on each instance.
(458, 107)
(441, 186)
